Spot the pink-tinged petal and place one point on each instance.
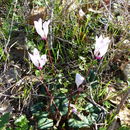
(107, 40)
(101, 37)
(103, 49)
(96, 52)
(98, 57)
(44, 38)
(36, 52)
(99, 42)
(44, 57)
(46, 24)
(34, 60)
(38, 61)
(74, 110)
(46, 28)
(40, 68)
(40, 21)
(38, 24)
(43, 60)
(38, 27)
(101, 46)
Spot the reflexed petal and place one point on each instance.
(101, 46)
(107, 40)
(43, 60)
(40, 22)
(36, 52)
(103, 50)
(100, 38)
(79, 79)
(34, 60)
(38, 27)
(46, 28)
(38, 61)
(99, 42)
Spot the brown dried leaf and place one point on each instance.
(124, 116)
(37, 13)
(113, 95)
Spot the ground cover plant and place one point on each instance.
(64, 64)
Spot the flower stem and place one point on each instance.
(49, 94)
(49, 52)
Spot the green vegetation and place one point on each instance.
(34, 97)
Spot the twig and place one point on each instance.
(51, 26)
(11, 26)
(49, 53)
(65, 41)
(90, 89)
(97, 105)
(123, 100)
(108, 10)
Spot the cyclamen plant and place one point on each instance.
(37, 60)
(42, 28)
(101, 46)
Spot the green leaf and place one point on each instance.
(92, 76)
(77, 123)
(63, 90)
(92, 118)
(4, 119)
(82, 58)
(124, 128)
(102, 128)
(21, 123)
(44, 122)
(37, 73)
(37, 107)
(91, 108)
(60, 103)
(30, 44)
(107, 104)
(84, 121)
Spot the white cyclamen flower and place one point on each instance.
(81, 13)
(79, 79)
(42, 28)
(37, 60)
(101, 46)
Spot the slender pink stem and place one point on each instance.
(49, 94)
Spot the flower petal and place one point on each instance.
(79, 79)
(38, 27)
(34, 60)
(36, 52)
(46, 28)
(101, 46)
(43, 60)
